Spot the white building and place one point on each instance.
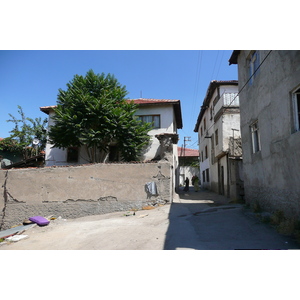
(165, 115)
(218, 127)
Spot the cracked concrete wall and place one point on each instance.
(73, 192)
(271, 175)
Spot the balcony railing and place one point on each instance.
(227, 99)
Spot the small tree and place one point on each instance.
(22, 135)
(93, 113)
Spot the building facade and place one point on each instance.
(269, 83)
(218, 127)
(188, 164)
(166, 118)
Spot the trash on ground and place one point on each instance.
(127, 214)
(41, 221)
(16, 238)
(143, 216)
(14, 230)
(148, 207)
(27, 221)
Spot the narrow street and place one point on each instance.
(207, 221)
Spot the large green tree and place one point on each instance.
(93, 112)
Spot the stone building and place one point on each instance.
(269, 85)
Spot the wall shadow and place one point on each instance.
(207, 221)
(182, 232)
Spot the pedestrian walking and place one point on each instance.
(187, 184)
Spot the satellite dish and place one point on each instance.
(36, 141)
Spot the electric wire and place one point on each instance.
(198, 71)
(239, 92)
(220, 65)
(211, 77)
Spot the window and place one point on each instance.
(72, 154)
(201, 131)
(253, 65)
(217, 136)
(154, 119)
(202, 155)
(296, 109)
(206, 152)
(203, 176)
(204, 122)
(207, 175)
(255, 137)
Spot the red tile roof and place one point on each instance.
(142, 102)
(187, 152)
(153, 101)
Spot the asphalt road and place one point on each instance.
(194, 221)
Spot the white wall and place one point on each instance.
(166, 123)
(55, 156)
(224, 124)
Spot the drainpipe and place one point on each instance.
(228, 173)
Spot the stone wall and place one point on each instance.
(73, 192)
(271, 175)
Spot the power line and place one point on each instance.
(198, 71)
(244, 85)
(220, 64)
(214, 66)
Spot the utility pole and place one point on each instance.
(186, 139)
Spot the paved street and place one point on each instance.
(207, 221)
(195, 220)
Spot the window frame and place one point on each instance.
(255, 137)
(296, 109)
(140, 117)
(207, 175)
(217, 137)
(206, 152)
(253, 63)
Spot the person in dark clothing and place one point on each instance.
(187, 183)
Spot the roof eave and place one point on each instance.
(211, 88)
(233, 58)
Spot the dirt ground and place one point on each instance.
(112, 231)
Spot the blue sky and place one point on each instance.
(32, 78)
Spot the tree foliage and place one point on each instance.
(93, 112)
(23, 133)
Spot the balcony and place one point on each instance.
(227, 100)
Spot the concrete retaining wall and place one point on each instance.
(73, 192)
